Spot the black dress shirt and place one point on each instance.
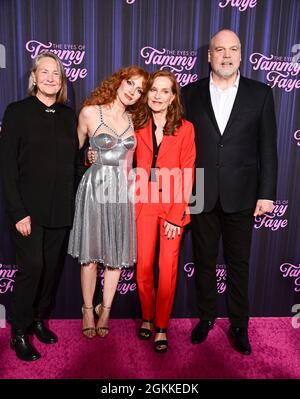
(152, 176)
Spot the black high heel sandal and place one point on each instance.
(88, 332)
(160, 346)
(145, 333)
(102, 331)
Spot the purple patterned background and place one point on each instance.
(96, 37)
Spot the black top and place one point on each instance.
(152, 176)
(38, 148)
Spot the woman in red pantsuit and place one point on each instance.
(165, 156)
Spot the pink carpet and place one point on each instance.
(275, 344)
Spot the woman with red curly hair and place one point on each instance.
(104, 222)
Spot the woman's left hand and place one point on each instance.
(171, 230)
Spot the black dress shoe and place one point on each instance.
(43, 333)
(201, 330)
(238, 337)
(24, 350)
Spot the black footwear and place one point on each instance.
(43, 333)
(238, 337)
(144, 333)
(160, 346)
(201, 330)
(24, 350)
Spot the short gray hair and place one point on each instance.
(61, 96)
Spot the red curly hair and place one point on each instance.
(106, 91)
(175, 110)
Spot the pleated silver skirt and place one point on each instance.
(104, 222)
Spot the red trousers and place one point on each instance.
(149, 224)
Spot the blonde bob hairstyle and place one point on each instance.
(61, 96)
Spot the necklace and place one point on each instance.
(50, 110)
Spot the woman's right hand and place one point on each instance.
(92, 155)
(171, 230)
(24, 226)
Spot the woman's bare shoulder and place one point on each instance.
(89, 111)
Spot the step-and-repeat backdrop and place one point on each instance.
(93, 38)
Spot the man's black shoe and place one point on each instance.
(24, 350)
(238, 337)
(43, 333)
(201, 330)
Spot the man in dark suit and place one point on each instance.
(235, 131)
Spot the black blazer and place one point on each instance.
(240, 166)
(37, 162)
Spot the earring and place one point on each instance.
(34, 83)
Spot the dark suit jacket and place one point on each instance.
(240, 166)
(37, 162)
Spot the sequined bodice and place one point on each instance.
(111, 147)
(111, 150)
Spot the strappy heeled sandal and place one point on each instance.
(145, 333)
(161, 345)
(101, 331)
(88, 332)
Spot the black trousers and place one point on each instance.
(236, 231)
(39, 258)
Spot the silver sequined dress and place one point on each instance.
(104, 222)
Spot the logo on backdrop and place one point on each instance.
(180, 62)
(293, 271)
(126, 283)
(7, 277)
(297, 137)
(189, 269)
(281, 71)
(130, 1)
(241, 4)
(71, 55)
(2, 56)
(274, 220)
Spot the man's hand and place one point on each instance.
(24, 226)
(263, 206)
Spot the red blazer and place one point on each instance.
(175, 153)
